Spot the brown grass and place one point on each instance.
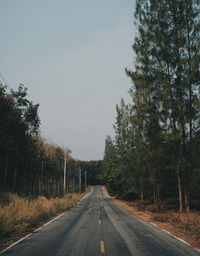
(18, 214)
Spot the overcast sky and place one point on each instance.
(71, 55)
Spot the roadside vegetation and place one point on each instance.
(19, 214)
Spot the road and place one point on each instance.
(97, 226)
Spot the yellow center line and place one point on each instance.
(102, 246)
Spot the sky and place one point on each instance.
(71, 55)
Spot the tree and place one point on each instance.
(163, 118)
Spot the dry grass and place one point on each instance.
(188, 222)
(17, 213)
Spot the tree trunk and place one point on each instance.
(6, 172)
(141, 190)
(15, 179)
(187, 204)
(180, 192)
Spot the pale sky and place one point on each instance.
(71, 55)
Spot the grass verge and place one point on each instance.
(19, 215)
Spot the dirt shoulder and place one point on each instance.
(185, 226)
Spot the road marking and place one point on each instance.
(102, 246)
(37, 229)
(153, 224)
(99, 221)
(15, 243)
(183, 241)
(167, 231)
(31, 233)
(87, 194)
(54, 219)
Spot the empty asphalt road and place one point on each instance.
(97, 226)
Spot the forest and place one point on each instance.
(155, 153)
(29, 165)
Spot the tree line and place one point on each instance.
(29, 165)
(155, 152)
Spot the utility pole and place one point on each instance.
(73, 189)
(41, 178)
(64, 177)
(85, 180)
(79, 180)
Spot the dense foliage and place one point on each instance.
(155, 153)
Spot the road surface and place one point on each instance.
(97, 226)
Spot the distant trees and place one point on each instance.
(28, 164)
(92, 170)
(160, 131)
